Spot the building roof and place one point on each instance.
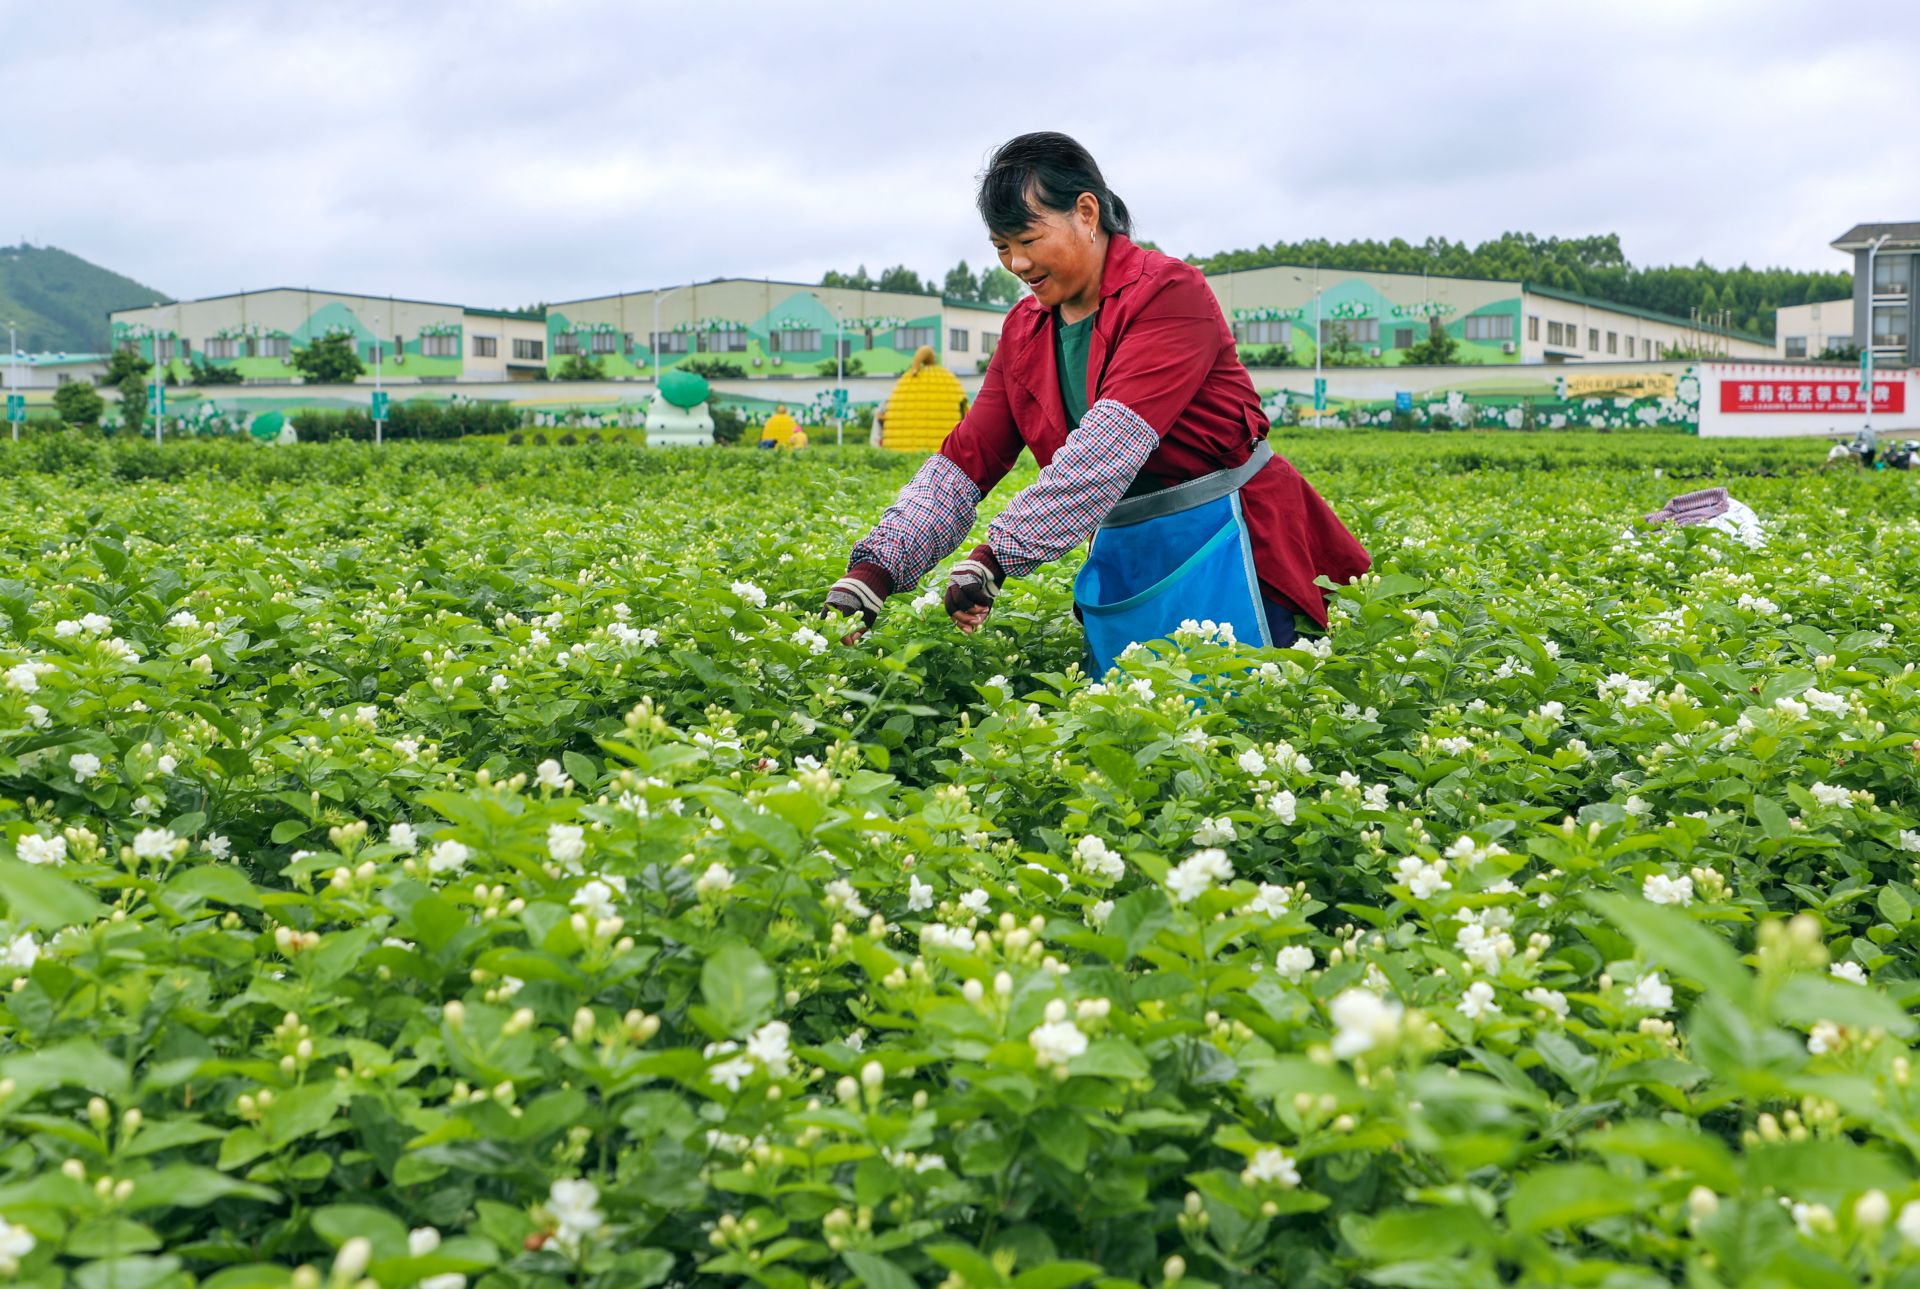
(1861, 236)
(985, 306)
(58, 360)
(804, 286)
(1634, 311)
(314, 290)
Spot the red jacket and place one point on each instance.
(1161, 346)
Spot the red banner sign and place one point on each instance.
(1809, 396)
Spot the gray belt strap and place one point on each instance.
(1185, 496)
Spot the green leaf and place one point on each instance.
(1669, 938)
(35, 897)
(109, 1237)
(193, 1186)
(876, 1272)
(1113, 1058)
(299, 1111)
(1773, 819)
(125, 1273)
(738, 988)
(79, 1063)
(287, 830)
(1570, 1195)
(969, 1262)
(1056, 1275)
(338, 1223)
(1893, 906)
(1804, 999)
(1667, 1145)
(1136, 919)
(215, 882)
(582, 769)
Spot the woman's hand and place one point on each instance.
(971, 589)
(860, 594)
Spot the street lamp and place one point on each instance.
(1866, 351)
(377, 346)
(1316, 337)
(840, 377)
(13, 375)
(654, 340)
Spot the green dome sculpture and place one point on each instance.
(683, 388)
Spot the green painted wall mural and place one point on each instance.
(795, 337)
(1356, 320)
(254, 351)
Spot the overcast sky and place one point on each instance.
(497, 153)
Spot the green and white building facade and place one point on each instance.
(759, 329)
(1367, 319)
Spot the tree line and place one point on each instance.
(991, 285)
(1594, 266)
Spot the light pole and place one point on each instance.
(1866, 351)
(1316, 338)
(840, 377)
(13, 375)
(654, 339)
(377, 322)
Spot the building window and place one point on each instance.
(1264, 333)
(799, 340)
(1796, 346)
(1593, 340)
(1403, 337)
(1533, 326)
(163, 350)
(276, 347)
(1495, 326)
(486, 346)
(534, 350)
(1892, 274)
(1839, 342)
(447, 346)
(606, 342)
(989, 341)
(666, 342)
(1890, 328)
(723, 342)
(1629, 346)
(221, 347)
(957, 340)
(1553, 333)
(566, 342)
(908, 339)
(1358, 331)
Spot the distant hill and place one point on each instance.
(61, 301)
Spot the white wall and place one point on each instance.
(1715, 378)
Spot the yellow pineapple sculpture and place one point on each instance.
(926, 403)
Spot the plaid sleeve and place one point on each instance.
(932, 515)
(1064, 506)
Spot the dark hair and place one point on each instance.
(1044, 170)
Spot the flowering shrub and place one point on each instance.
(467, 866)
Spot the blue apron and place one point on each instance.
(1169, 556)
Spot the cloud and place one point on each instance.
(503, 152)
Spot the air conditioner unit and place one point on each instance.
(1509, 347)
(1374, 352)
(776, 360)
